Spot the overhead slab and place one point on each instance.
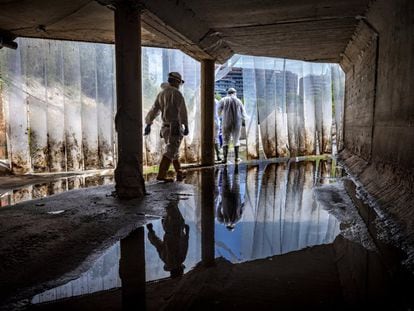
(302, 29)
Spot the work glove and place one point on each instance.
(147, 129)
(185, 133)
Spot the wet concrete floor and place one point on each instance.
(271, 235)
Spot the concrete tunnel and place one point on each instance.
(373, 43)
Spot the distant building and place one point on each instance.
(276, 82)
(233, 79)
(283, 82)
(312, 85)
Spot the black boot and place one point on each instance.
(236, 154)
(180, 174)
(225, 151)
(217, 148)
(163, 169)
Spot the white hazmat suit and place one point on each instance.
(217, 123)
(232, 113)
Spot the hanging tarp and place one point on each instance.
(55, 106)
(33, 71)
(252, 128)
(59, 105)
(338, 95)
(106, 104)
(89, 100)
(15, 100)
(294, 109)
(59, 100)
(290, 104)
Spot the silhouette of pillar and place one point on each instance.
(207, 112)
(132, 270)
(129, 182)
(207, 217)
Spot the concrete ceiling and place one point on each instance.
(316, 30)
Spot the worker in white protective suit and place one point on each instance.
(233, 116)
(217, 131)
(170, 103)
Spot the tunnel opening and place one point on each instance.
(58, 105)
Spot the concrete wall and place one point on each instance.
(360, 67)
(379, 113)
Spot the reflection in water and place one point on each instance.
(270, 207)
(173, 248)
(207, 217)
(132, 270)
(41, 190)
(231, 200)
(280, 214)
(103, 275)
(275, 213)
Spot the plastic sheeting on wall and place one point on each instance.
(60, 104)
(338, 95)
(290, 105)
(13, 80)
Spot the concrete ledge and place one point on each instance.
(390, 192)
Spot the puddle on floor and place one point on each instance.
(41, 190)
(241, 213)
(259, 211)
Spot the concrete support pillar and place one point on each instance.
(207, 112)
(132, 270)
(207, 217)
(129, 182)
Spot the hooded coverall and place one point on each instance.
(217, 123)
(170, 102)
(233, 113)
(230, 204)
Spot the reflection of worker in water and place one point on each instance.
(173, 249)
(230, 205)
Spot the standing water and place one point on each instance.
(265, 236)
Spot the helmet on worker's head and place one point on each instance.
(176, 77)
(231, 91)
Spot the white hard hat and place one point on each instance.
(231, 91)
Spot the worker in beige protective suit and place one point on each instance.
(173, 248)
(233, 116)
(170, 103)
